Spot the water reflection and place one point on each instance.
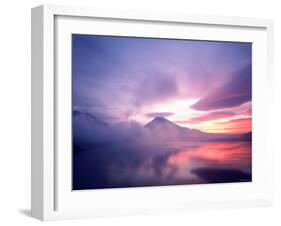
(125, 165)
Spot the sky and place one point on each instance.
(196, 84)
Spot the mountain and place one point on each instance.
(161, 122)
(87, 118)
(247, 136)
(161, 125)
(87, 128)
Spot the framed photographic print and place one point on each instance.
(137, 112)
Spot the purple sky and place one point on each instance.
(121, 79)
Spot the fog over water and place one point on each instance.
(128, 155)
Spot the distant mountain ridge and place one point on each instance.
(91, 118)
(159, 127)
(163, 124)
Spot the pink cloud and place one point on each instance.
(212, 116)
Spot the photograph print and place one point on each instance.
(159, 112)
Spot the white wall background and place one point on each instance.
(15, 112)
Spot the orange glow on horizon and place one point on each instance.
(229, 126)
(234, 126)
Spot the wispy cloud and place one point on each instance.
(212, 116)
(159, 114)
(234, 92)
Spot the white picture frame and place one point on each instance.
(52, 197)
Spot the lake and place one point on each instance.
(116, 165)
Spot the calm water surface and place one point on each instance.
(111, 165)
